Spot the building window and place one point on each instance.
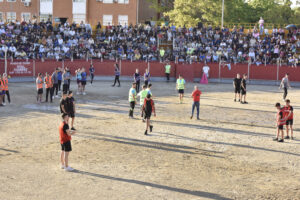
(11, 17)
(78, 18)
(123, 1)
(107, 20)
(25, 17)
(123, 20)
(108, 1)
(45, 17)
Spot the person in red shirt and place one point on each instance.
(290, 119)
(280, 122)
(196, 104)
(148, 109)
(65, 141)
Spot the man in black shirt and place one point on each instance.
(244, 89)
(63, 103)
(71, 108)
(237, 86)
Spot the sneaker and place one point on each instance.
(4, 103)
(144, 120)
(84, 93)
(234, 100)
(239, 100)
(112, 85)
(245, 102)
(281, 140)
(52, 98)
(69, 169)
(56, 96)
(73, 129)
(151, 128)
(275, 139)
(119, 85)
(287, 137)
(198, 118)
(77, 93)
(191, 117)
(242, 102)
(146, 132)
(292, 138)
(62, 167)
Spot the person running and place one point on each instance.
(59, 78)
(168, 71)
(65, 140)
(180, 85)
(137, 79)
(83, 80)
(39, 87)
(49, 87)
(63, 105)
(117, 75)
(196, 97)
(66, 81)
(2, 91)
(147, 77)
(280, 121)
(285, 84)
(143, 94)
(78, 78)
(70, 101)
(132, 99)
(237, 87)
(92, 73)
(5, 81)
(148, 108)
(290, 119)
(55, 82)
(244, 89)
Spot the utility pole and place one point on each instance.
(222, 20)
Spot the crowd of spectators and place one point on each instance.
(140, 42)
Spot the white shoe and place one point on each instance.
(77, 93)
(84, 93)
(4, 104)
(69, 169)
(62, 167)
(52, 98)
(56, 96)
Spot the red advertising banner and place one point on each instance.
(20, 68)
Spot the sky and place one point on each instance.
(294, 3)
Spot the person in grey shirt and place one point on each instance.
(66, 79)
(55, 82)
(285, 84)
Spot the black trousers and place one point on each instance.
(168, 76)
(59, 85)
(49, 90)
(146, 82)
(117, 79)
(132, 105)
(69, 83)
(55, 88)
(92, 78)
(65, 88)
(8, 96)
(138, 83)
(285, 92)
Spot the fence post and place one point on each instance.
(120, 63)
(33, 68)
(220, 63)
(249, 64)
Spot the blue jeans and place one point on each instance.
(197, 105)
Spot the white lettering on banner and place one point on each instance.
(20, 68)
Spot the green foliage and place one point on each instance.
(190, 12)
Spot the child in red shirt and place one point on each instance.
(196, 104)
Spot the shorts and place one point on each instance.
(289, 122)
(181, 91)
(3, 92)
(67, 147)
(148, 115)
(40, 91)
(83, 82)
(71, 114)
(243, 92)
(280, 127)
(237, 91)
(78, 81)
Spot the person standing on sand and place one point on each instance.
(39, 87)
(55, 82)
(196, 104)
(59, 78)
(132, 99)
(237, 87)
(168, 71)
(180, 86)
(83, 80)
(65, 140)
(285, 84)
(147, 77)
(244, 89)
(137, 79)
(117, 75)
(143, 94)
(2, 92)
(290, 119)
(49, 87)
(92, 73)
(148, 109)
(63, 105)
(280, 121)
(5, 81)
(70, 102)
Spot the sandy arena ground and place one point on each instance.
(228, 154)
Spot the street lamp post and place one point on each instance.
(222, 20)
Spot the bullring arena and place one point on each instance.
(227, 154)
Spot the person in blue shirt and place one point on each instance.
(92, 72)
(147, 77)
(137, 80)
(79, 79)
(83, 80)
(59, 78)
(117, 75)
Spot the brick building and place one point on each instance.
(90, 11)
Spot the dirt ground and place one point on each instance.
(228, 154)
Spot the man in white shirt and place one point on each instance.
(205, 70)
